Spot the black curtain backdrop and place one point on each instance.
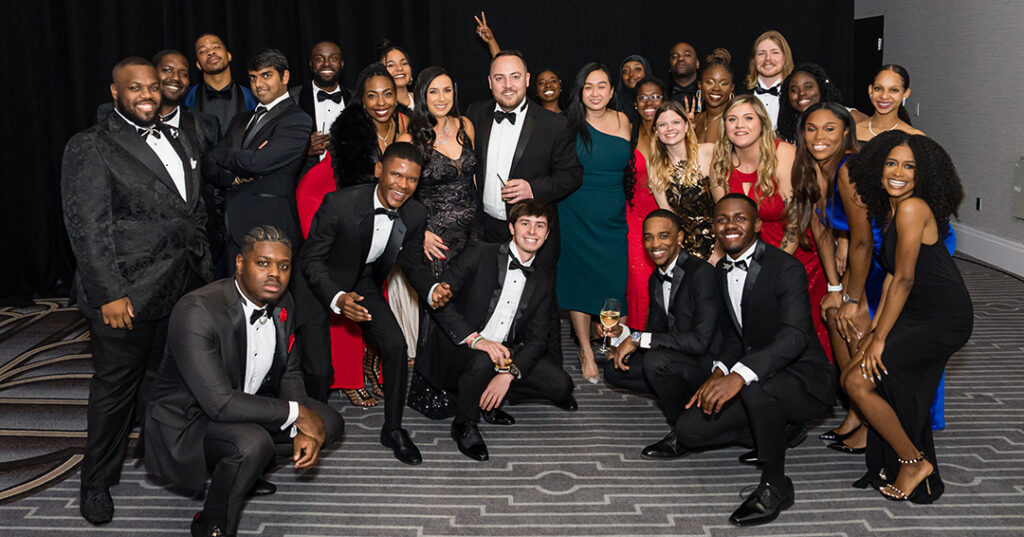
(58, 55)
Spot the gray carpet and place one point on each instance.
(553, 473)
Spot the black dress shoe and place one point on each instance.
(262, 487)
(467, 438)
(764, 504)
(569, 405)
(402, 445)
(497, 416)
(204, 528)
(666, 448)
(795, 434)
(843, 448)
(96, 505)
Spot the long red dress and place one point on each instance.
(346, 336)
(773, 227)
(640, 264)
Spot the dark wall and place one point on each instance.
(57, 57)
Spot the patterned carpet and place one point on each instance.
(551, 474)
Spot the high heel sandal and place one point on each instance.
(832, 436)
(371, 371)
(359, 397)
(927, 491)
(593, 380)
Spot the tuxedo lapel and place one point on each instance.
(524, 301)
(189, 165)
(281, 348)
(723, 278)
(365, 226)
(264, 123)
(239, 129)
(484, 135)
(237, 316)
(529, 124)
(390, 254)
(678, 273)
(753, 270)
(502, 266)
(306, 102)
(128, 138)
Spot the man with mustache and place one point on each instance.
(218, 94)
(771, 374)
(356, 237)
(770, 62)
(323, 97)
(229, 394)
(135, 217)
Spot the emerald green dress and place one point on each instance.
(593, 263)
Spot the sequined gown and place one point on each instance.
(640, 264)
(694, 206)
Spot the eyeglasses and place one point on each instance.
(651, 98)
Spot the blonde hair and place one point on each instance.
(787, 56)
(721, 162)
(660, 168)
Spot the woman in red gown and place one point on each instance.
(750, 160)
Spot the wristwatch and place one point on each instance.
(636, 336)
(510, 369)
(835, 288)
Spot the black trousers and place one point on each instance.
(313, 343)
(384, 331)
(469, 371)
(671, 375)
(236, 455)
(123, 361)
(496, 231)
(757, 416)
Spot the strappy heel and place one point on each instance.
(359, 397)
(927, 491)
(371, 371)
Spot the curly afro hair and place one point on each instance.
(936, 181)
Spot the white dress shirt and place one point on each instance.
(326, 110)
(175, 120)
(382, 225)
(501, 147)
(666, 292)
(167, 155)
(771, 102)
(736, 278)
(500, 322)
(260, 345)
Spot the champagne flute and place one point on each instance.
(609, 318)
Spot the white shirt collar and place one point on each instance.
(745, 255)
(247, 304)
(376, 200)
(319, 89)
(671, 266)
(277, 101)
(132, 123)
(760, 82)
(515, 252)
(518, 110)
(176, 120)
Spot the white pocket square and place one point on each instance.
(193, 161)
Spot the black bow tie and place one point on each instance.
(774, 90)
(391, 214)
(219, 94)
(515, 264)
(665, 278)
(729, 265)
(500, 115)
(324, 96)
(152, 129)
(256, 314)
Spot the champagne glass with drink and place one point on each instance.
(609, 318)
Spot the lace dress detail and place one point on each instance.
(446, 189)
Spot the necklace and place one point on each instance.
(445, 132)
(872, 131)
(391, 127)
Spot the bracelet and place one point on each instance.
(511, 369)
(848, 300)
(473, 343)
(835, 288)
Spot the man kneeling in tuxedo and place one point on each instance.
(496, 326)
(230, 394)
(672, 357)
(772, 369)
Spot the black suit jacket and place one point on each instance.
(777, 331)
(476, 277)
(202, 377)
(200, 130)
(333, 258)
(303, 96)
(131, 232)
(271, 155)
(545, 155)
(691, 323)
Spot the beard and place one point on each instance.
(326, 82)
(129, 112)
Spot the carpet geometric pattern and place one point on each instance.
(553, 473)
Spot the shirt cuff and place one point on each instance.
(293, 414)
(334, 302)
(745, 372)
(645, 340)
(720, 366)
(616, 341)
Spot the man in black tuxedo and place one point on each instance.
(135, 217)
(771, 359)
(230, 395)
(323, 98)
(495, 330)
(355, 239)
(218, 94)
(672, 357)
(525, 152)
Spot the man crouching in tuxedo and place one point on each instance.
(772, 369)
(671, 358)
(230, 394)
(497, 325)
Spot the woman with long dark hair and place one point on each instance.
(912, 189)
(593, 261)
(396, 60)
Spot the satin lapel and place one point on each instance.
(484, 130)
(306, 102)
(524, 300)
(267, 119)
(529, 124)
(191, 174)
(236, 133)
(394, 244)
(723, 277)
(280, 349)
(238, 320)
(239, 99)
(753, 270)
(127, 137)
(188, 131)
(365, 226)
(678, 273)
(502, 261)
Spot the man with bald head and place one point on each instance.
(135, 217)
(323, 98)
(217, 94)
(682, 71)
